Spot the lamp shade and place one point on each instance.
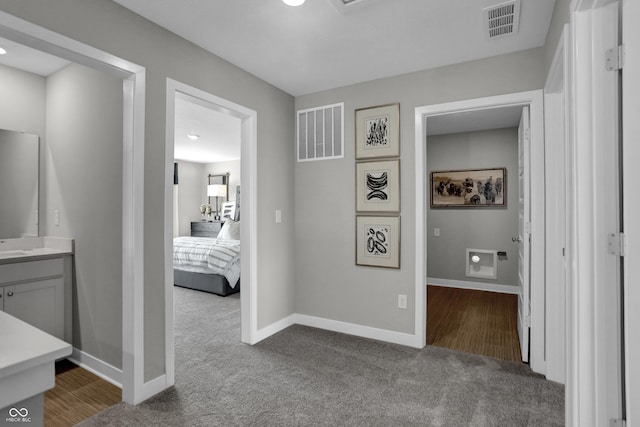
(217, 190)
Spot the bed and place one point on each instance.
(209, 264)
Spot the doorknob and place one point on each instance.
(10, 294)
(516, 239)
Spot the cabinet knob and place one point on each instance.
(9, 294)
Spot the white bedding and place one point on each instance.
(208, 255)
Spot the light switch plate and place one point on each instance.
(402, 301)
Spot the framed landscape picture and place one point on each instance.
(378, 131)
(378, 186)
(469, 188)
(378, 241)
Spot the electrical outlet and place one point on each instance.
(278, 216)
(56, 217)
(402, 301)
(436, 232)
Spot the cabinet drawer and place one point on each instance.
(31, 270)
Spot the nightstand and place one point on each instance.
(205, 228)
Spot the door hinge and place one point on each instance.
(527, 321)
(617, 423)
(616, 244)
(614, 58)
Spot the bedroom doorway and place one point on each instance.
(240, 123)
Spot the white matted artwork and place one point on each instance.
(378, 186)
(378, 131)
(378, 241)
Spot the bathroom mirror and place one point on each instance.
(19, 177)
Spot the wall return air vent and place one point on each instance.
(321, 133)
(502, 19)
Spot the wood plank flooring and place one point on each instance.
(78, 395)
(473, 321)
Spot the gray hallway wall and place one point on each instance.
(328, 283)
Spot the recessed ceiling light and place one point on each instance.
(2, 51)
(193, 136)
(293, 2)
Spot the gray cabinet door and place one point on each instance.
(39, 303)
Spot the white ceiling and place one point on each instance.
(219, 133)
(31, 60)
(320, 46)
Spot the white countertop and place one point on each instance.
(33, 247)
(27, 357)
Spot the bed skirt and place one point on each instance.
(212, 283)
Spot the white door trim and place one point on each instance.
(248, 225)
(535, 100)
(134, 388)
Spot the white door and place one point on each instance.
(631, 203)
(524, 231)
(594, 368)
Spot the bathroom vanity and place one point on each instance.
(35, 283)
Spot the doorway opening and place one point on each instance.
(478, 208)
(531, 304)
(232, 166)
(130, 376)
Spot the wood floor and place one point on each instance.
(78, 395)
(473, 321)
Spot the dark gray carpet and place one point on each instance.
(310, 377)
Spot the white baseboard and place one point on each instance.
(274, 328)
(338, 326)
(479, 286)
(357, 330)
(96, 366)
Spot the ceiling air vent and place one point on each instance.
(345, 6)
(502, 20)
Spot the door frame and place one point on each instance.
(534, 99)
(134, 387)
(248, 225)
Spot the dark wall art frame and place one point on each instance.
(469, 188)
